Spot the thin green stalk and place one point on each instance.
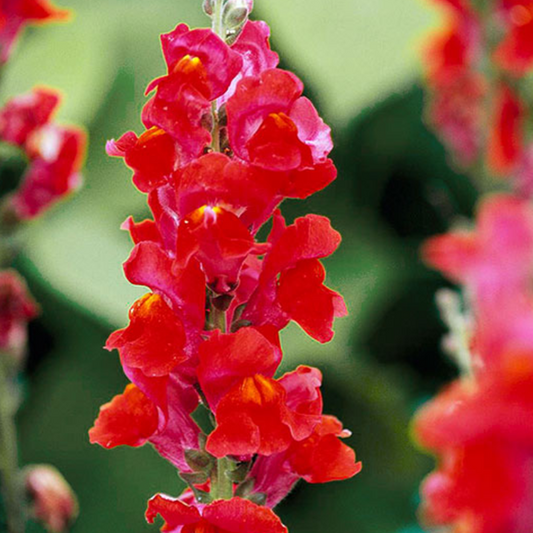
(218, 19)
(12, 490)
(221, 484)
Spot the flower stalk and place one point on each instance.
(12, 487)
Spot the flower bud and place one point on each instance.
(235, 16)
(54, 504)
(208, 7)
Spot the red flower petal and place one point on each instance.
(242, 516)
(308, 302)
(154, 340)
(225, 359)
(174, 512)
(129, 419)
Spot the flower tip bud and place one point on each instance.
(235, 16)
(54, 504)
(208, 7)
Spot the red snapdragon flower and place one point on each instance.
(223, 516)
(133, 419)
(23, 115)
(320, 458)
(291, 264)
(55, 153)
(15, 14)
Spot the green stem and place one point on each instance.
(221, 484)
(12, 490)
(218, 19)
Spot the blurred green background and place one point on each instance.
(359, 61)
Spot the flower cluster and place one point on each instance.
(54, 153)
(52, 156)
(477, 71)
(480, 426)
(228, 136)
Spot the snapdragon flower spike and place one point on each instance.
(477, 429)
(223, 516)
(55, 153)
(466, 97)
(16, 14)
(228, 137)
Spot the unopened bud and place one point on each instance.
(208, 7)
(54, 504)
(235, 16)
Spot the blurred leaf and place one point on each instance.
(355, 52)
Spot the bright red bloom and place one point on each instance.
(152, 156)
(251, 192)
(150, 265)
(17, 308)
(15, 14)
(223, 516)
(226, 359)
(323, 457)
(506, 144)
(24, 114)
(271, 125)
(129, 419)
(220, 242)
(132, 419)
(53, 503)
(155, 339)
(201, 68)
(299, 293)
(479, 430)
(258, 416)
(320, 458)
